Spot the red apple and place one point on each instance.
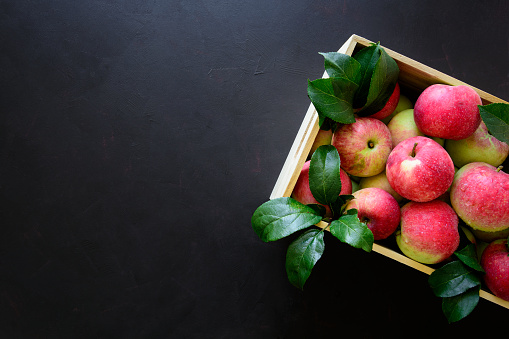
(480, 196)
(429, 231)
(363, 146)
(448, 112)
(390, 106)
(302, 192)
(377, 209)
(495, 262)
(419, 169)
(479, 147)
(402, 126)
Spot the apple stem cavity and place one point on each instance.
(413, 150)
(371, 144)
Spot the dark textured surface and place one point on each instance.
(137, 138)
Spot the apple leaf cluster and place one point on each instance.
(458, 284)
(278, 218)
(360, 84)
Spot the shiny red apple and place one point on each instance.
(480, 196)
(429, 231)
(419, 169)
(448, 112)
(377, 209)
(495, 262)
(363, 146)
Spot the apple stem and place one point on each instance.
(413, 150)
(499, 168)
(371, 144)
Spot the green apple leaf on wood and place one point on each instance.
(302, 255)
(339, 65)
(278, 218)
(332, 98)
(324, 174)
(468, 255)
(496, 118)
(452, 279)
(349, 229)
(458, 307)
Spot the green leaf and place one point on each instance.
(338, 205)
(349, 229)
(346, 198)
(319, 209)
(496, 118)
(302, 255)
(468, 255)
(278, 218)
(452, 279)
(339, 65)
(458, 307)
(324, 175)
(328, 124)
(382, 84)
(367, 58)
(332, 98)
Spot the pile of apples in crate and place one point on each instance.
(420, 172)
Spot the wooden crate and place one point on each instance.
(414, 77)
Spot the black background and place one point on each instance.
(137, 138)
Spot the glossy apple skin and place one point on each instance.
(378, 209)
(323, 137)
(380, 181)
(354, 141)
(403, 104)
(495, 262)
(390, 106)
(480, 196)
(479, 147)
(429, 231)
(424, 177)
(491, 236)
(448, 112)
(302, 192)
(402, 126)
